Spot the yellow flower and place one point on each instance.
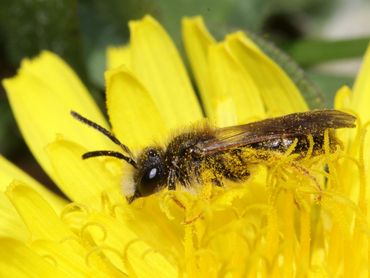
(277, 223)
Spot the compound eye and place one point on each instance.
(150, 181)
(152, 173)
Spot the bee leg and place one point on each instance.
(217, 182)
(217, 179)
(307, 173)
(171, 180)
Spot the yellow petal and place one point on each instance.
(39, 217)
(342, 98)
(42, 95)
(342, 102)
(156, 63)
(17, 260)
(10, 172)
(361, 90)
(83, 180)
(138, 254)
(197, 40)
(230, 80)
(277, 90)
(135, 119)
(118, 56)
(226, 114)
(11, 225)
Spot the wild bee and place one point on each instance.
(220, 151)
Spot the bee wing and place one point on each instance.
(289, 126)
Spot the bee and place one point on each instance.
(220, 151)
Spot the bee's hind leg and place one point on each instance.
(308, 174)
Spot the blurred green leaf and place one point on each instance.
(26, 27)
(311, 52)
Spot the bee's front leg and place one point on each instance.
(171, 180)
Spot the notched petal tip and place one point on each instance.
(193, 22)
(147, 20)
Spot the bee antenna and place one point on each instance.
(110, 153)
(108, 134)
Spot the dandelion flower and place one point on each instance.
(273, 224)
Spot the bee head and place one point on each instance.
(150, 174)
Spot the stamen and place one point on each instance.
(73, 208)
(171, 255)
(201, 252)
(291, 148)
(349, 158)
(178, 202)
(164, 204)
(305, 237)
(267, 265)
(280, 160)
(189, 249)
(67, 240)
(327, 156)
(247, 241)
(126, 261)
(310, 148)
(50, 259)
(191, 221)
(263, 208)
(121, 209)
(83, 232)
(106, 205)
(307, 173)
(326, 142)
(100, 250)
(236, 212)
